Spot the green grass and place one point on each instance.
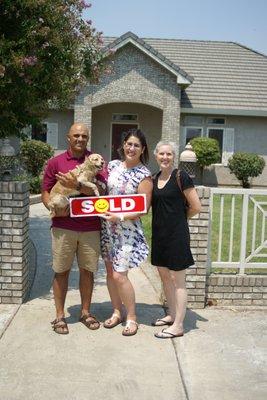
(146, 220)
(236, 232)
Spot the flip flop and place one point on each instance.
(169, 335)
(127, 330)
(116, 321)
(161, 322)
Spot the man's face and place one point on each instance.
(78, 138)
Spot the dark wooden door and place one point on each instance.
(118, 131)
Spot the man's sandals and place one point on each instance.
(90, 321)
(59, 325)
(131, 328)
(113, 321)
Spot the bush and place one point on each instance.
(245, 166)
(207, 151)
(35, 182)
(34, 154)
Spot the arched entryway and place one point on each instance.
(110, 121)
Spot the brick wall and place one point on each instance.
(196, 276)
(238, 290)
(14, 241)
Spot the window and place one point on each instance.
(39, 132)
(124, 117)
(217, 133)
(192, 132)
(193, 120)
(216, 121)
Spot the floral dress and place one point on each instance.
(124, 242)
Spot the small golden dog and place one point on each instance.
(85, 173)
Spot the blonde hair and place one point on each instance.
(165, 143)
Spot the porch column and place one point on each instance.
(83, 111)
(171, 121)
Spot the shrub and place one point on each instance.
(245, 166)
(207, 151)
(34, 154)
(35, 182)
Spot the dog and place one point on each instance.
(85, 173)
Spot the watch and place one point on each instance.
(79, 186)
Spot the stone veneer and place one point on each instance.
(196, 276)
(14, 241)
(237, 290)
(135, 78)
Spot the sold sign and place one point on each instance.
(87, 206)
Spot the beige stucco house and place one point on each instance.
(175, 90)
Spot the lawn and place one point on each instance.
(226, 229)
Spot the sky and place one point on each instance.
(241, 21)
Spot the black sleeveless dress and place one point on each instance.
(170, 231)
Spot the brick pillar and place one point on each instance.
(83, 111)
(14, 242)
(196, 276)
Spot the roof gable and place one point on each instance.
(182, 77)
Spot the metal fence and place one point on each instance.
(237, 231)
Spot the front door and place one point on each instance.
(118, 131)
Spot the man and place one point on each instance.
(73, 236)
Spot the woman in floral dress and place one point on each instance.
(122, 242)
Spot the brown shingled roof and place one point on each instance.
(226, 75)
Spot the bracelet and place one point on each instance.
(121, 216)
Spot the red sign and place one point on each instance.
(125, 204)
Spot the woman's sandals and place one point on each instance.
(131, 328)
(59, 325)
(161, 322)
(113, 321)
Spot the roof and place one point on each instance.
(226, 75)
(182, 77)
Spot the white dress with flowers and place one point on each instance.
(124, 243)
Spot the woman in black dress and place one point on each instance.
(170, 236)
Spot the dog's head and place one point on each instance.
(95, 160)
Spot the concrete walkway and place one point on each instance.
(221, 357)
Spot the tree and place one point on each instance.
(47, 53)
(207, 151)
(245, 166)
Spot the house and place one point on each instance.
(175, 90)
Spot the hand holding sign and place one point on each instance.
(92, 206)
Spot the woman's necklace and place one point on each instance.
(163, 179)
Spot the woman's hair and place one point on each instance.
(139, 135)
(165, 143)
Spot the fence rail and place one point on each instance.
(237, 236)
